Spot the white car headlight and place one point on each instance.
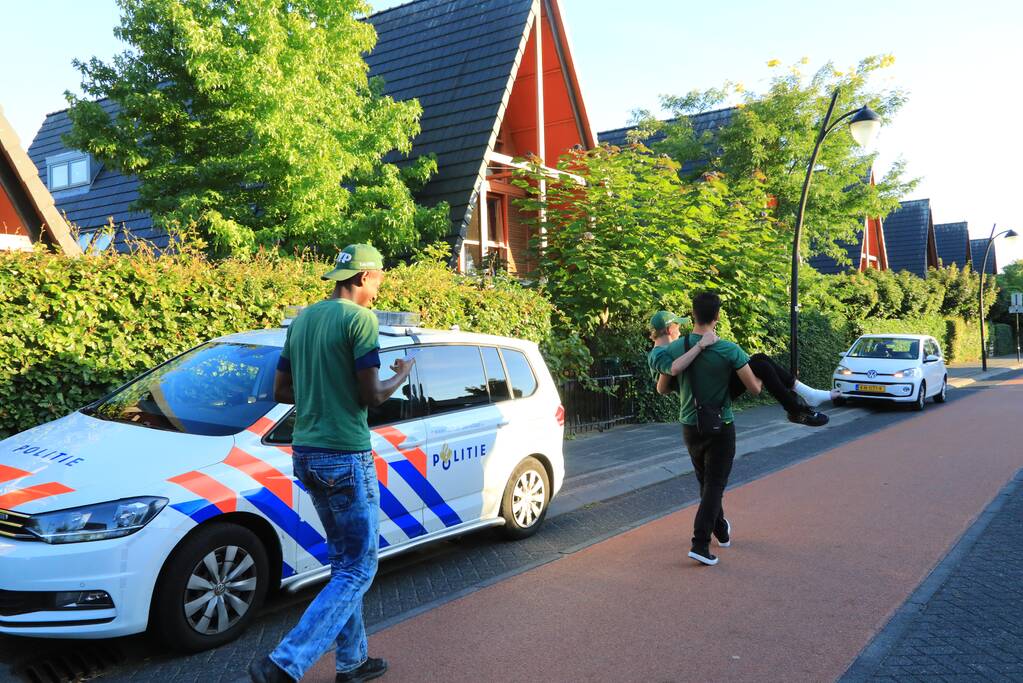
(842, 370)
(908, 372)
(96, 522)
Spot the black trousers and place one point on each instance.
(712, 458)
(777, 380)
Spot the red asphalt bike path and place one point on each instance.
(824, 552)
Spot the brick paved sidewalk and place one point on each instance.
(963, 623)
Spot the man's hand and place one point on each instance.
(708, 339)
(402, 366)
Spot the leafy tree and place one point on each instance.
(1009, 281)
(636, 238)
(771, 137)
(255, 122)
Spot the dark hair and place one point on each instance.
(706, 306)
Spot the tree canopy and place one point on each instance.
(255, 123)
(771, 136)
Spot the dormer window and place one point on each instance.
(72, 169)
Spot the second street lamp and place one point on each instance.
(863, 126)
(1009, 234)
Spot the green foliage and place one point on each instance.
(771, 138)
(72, 329)
(962, 340)
(636, 238)
(1009, 281)
(256, 121)
(961, 291)
(934, 326)
(1004, 339)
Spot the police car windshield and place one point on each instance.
(886, 347)
(216, 389)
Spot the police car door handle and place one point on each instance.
(409, 445)
(502, 424)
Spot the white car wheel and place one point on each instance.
(921, 396)
(942, 395)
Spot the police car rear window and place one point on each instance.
(216, 389)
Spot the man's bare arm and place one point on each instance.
(750, 381)
(664, 384)
(373, 392)
(284, 390)
(685, 360)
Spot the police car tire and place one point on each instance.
(167, 618)
(512, 529)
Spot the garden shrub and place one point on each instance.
(72, 329)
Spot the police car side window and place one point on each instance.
(523, 380)
(399, 406)
(497, 381)
(452, 378)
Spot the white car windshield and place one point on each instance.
(886, 347)
(216, 389)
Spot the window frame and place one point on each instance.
(66, 159)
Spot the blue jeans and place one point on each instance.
(343, 488)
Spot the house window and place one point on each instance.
(95, 241)
(68, 170)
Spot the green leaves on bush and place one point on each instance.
(73, 329)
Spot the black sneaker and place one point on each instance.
(265, 671)
(810, 418)
(703, 556)
(370, 669)
(724, 539)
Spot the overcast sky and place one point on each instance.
(960, 62)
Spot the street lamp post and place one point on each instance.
(1009, 234)
(863, 126)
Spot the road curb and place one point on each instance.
(869, 659)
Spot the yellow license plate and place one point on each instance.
(870, 388)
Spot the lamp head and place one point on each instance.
(1011, 235)
(864, 126)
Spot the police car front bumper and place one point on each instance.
(37, 576)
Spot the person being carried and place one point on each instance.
(798, 399)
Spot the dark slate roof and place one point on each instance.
(829, 266)
(977, 248)
(109, 196)
(905, 236)
(704, 122)
(455, 56)
(953, 241)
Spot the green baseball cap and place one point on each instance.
(354, 259)
(661, 319)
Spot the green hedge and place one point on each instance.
(71, 329)
(1004, 339)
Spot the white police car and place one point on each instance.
(171, 503)
(902, 368)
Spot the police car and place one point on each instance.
(171, 504)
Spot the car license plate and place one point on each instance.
(870, 388)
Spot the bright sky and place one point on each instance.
(959, 61)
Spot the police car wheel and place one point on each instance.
(210, 588)
(525, 501)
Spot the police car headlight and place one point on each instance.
(96, 522)
(908, 372)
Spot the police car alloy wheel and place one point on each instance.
(943, 394)
(210, 588)
(525, 499)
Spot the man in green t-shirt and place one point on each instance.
(329, 368)
(707, 376)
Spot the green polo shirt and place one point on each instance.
(710, 373)
(325, 346)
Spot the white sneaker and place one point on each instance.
(707, 559)
(728, 533)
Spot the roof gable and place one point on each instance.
(953, 241)
(909, 236)
(707, 122)
(27, 206)
(977, 248)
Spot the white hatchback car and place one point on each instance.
(171, 503)
(893, 367)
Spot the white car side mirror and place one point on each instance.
(841, 354)
(932, 359)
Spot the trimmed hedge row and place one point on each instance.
(71, 329)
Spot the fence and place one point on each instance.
(599, 404)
